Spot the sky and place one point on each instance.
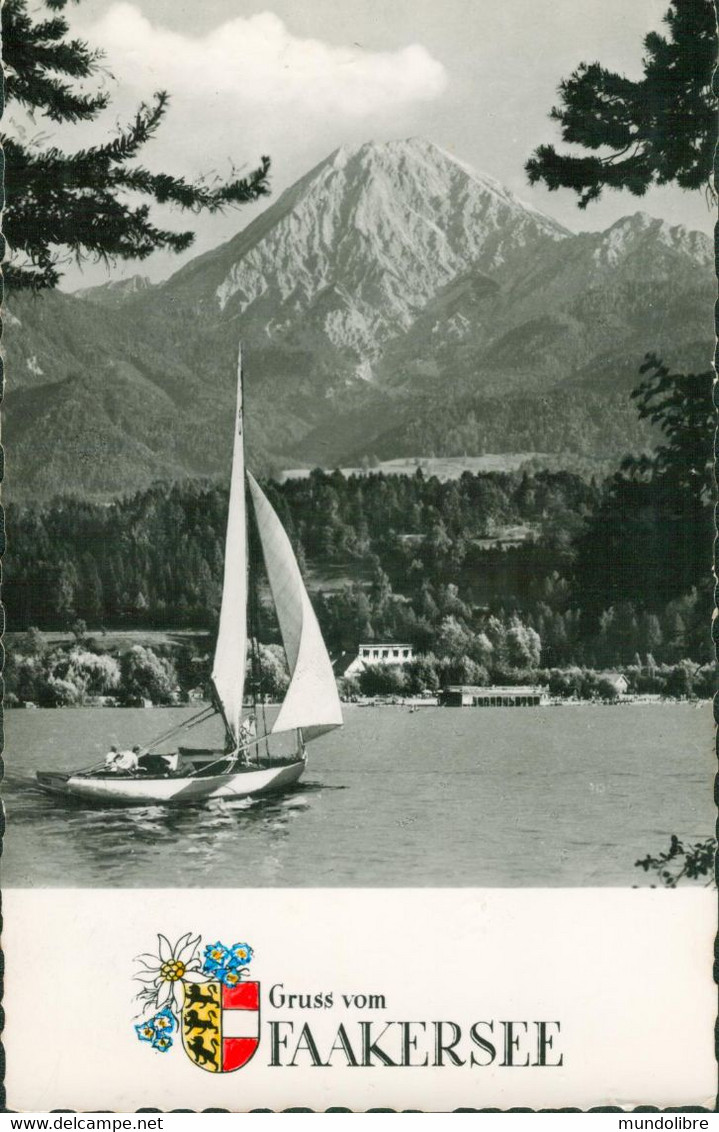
(295, 79)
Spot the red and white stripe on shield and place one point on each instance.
(239, 1024)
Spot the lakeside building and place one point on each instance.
(472, 695)
(371, 653)
(618, 681)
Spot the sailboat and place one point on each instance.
(311, 705)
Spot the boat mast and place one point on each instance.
(250, 574)
(228, 672)
(253, 608)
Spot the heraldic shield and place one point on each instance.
(221, 1025)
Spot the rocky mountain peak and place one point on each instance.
(116, 291)
(390, 284)
(626, 234)
(359, 245)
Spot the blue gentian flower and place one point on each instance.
(146, 1031)
(164, 1022)
(229, 977)
(162, 1042)
(216, 957)
(240, 955)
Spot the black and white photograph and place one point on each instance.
(358, 583)
(357, 437)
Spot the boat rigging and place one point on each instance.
(310, 707)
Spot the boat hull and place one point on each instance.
(108, 789)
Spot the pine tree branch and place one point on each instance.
(80, 203)
(31, 50)
(668, 117)
(587, 176)
(60, 102)
(83, 209)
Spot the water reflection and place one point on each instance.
(174, 845)
(533, 797)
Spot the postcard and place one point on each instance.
(358, 678)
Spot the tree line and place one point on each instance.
(87, 671)
(510, 570)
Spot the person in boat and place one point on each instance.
(121, 762)
(248, 729)
(110, 757)
(150, 763)
(248, 732)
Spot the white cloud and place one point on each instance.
(256, 62)
(247, 87)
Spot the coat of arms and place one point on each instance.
(209, 1000)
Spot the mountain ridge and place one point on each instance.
(390, 281)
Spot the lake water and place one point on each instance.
(442, 797)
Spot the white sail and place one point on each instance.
(228, 672)
(311, 702)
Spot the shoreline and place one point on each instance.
(369, 701)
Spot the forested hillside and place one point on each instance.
(499, 569)
(570, 420)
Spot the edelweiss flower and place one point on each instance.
(165, 974)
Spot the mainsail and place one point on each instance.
(228, 672)
(311, 702)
